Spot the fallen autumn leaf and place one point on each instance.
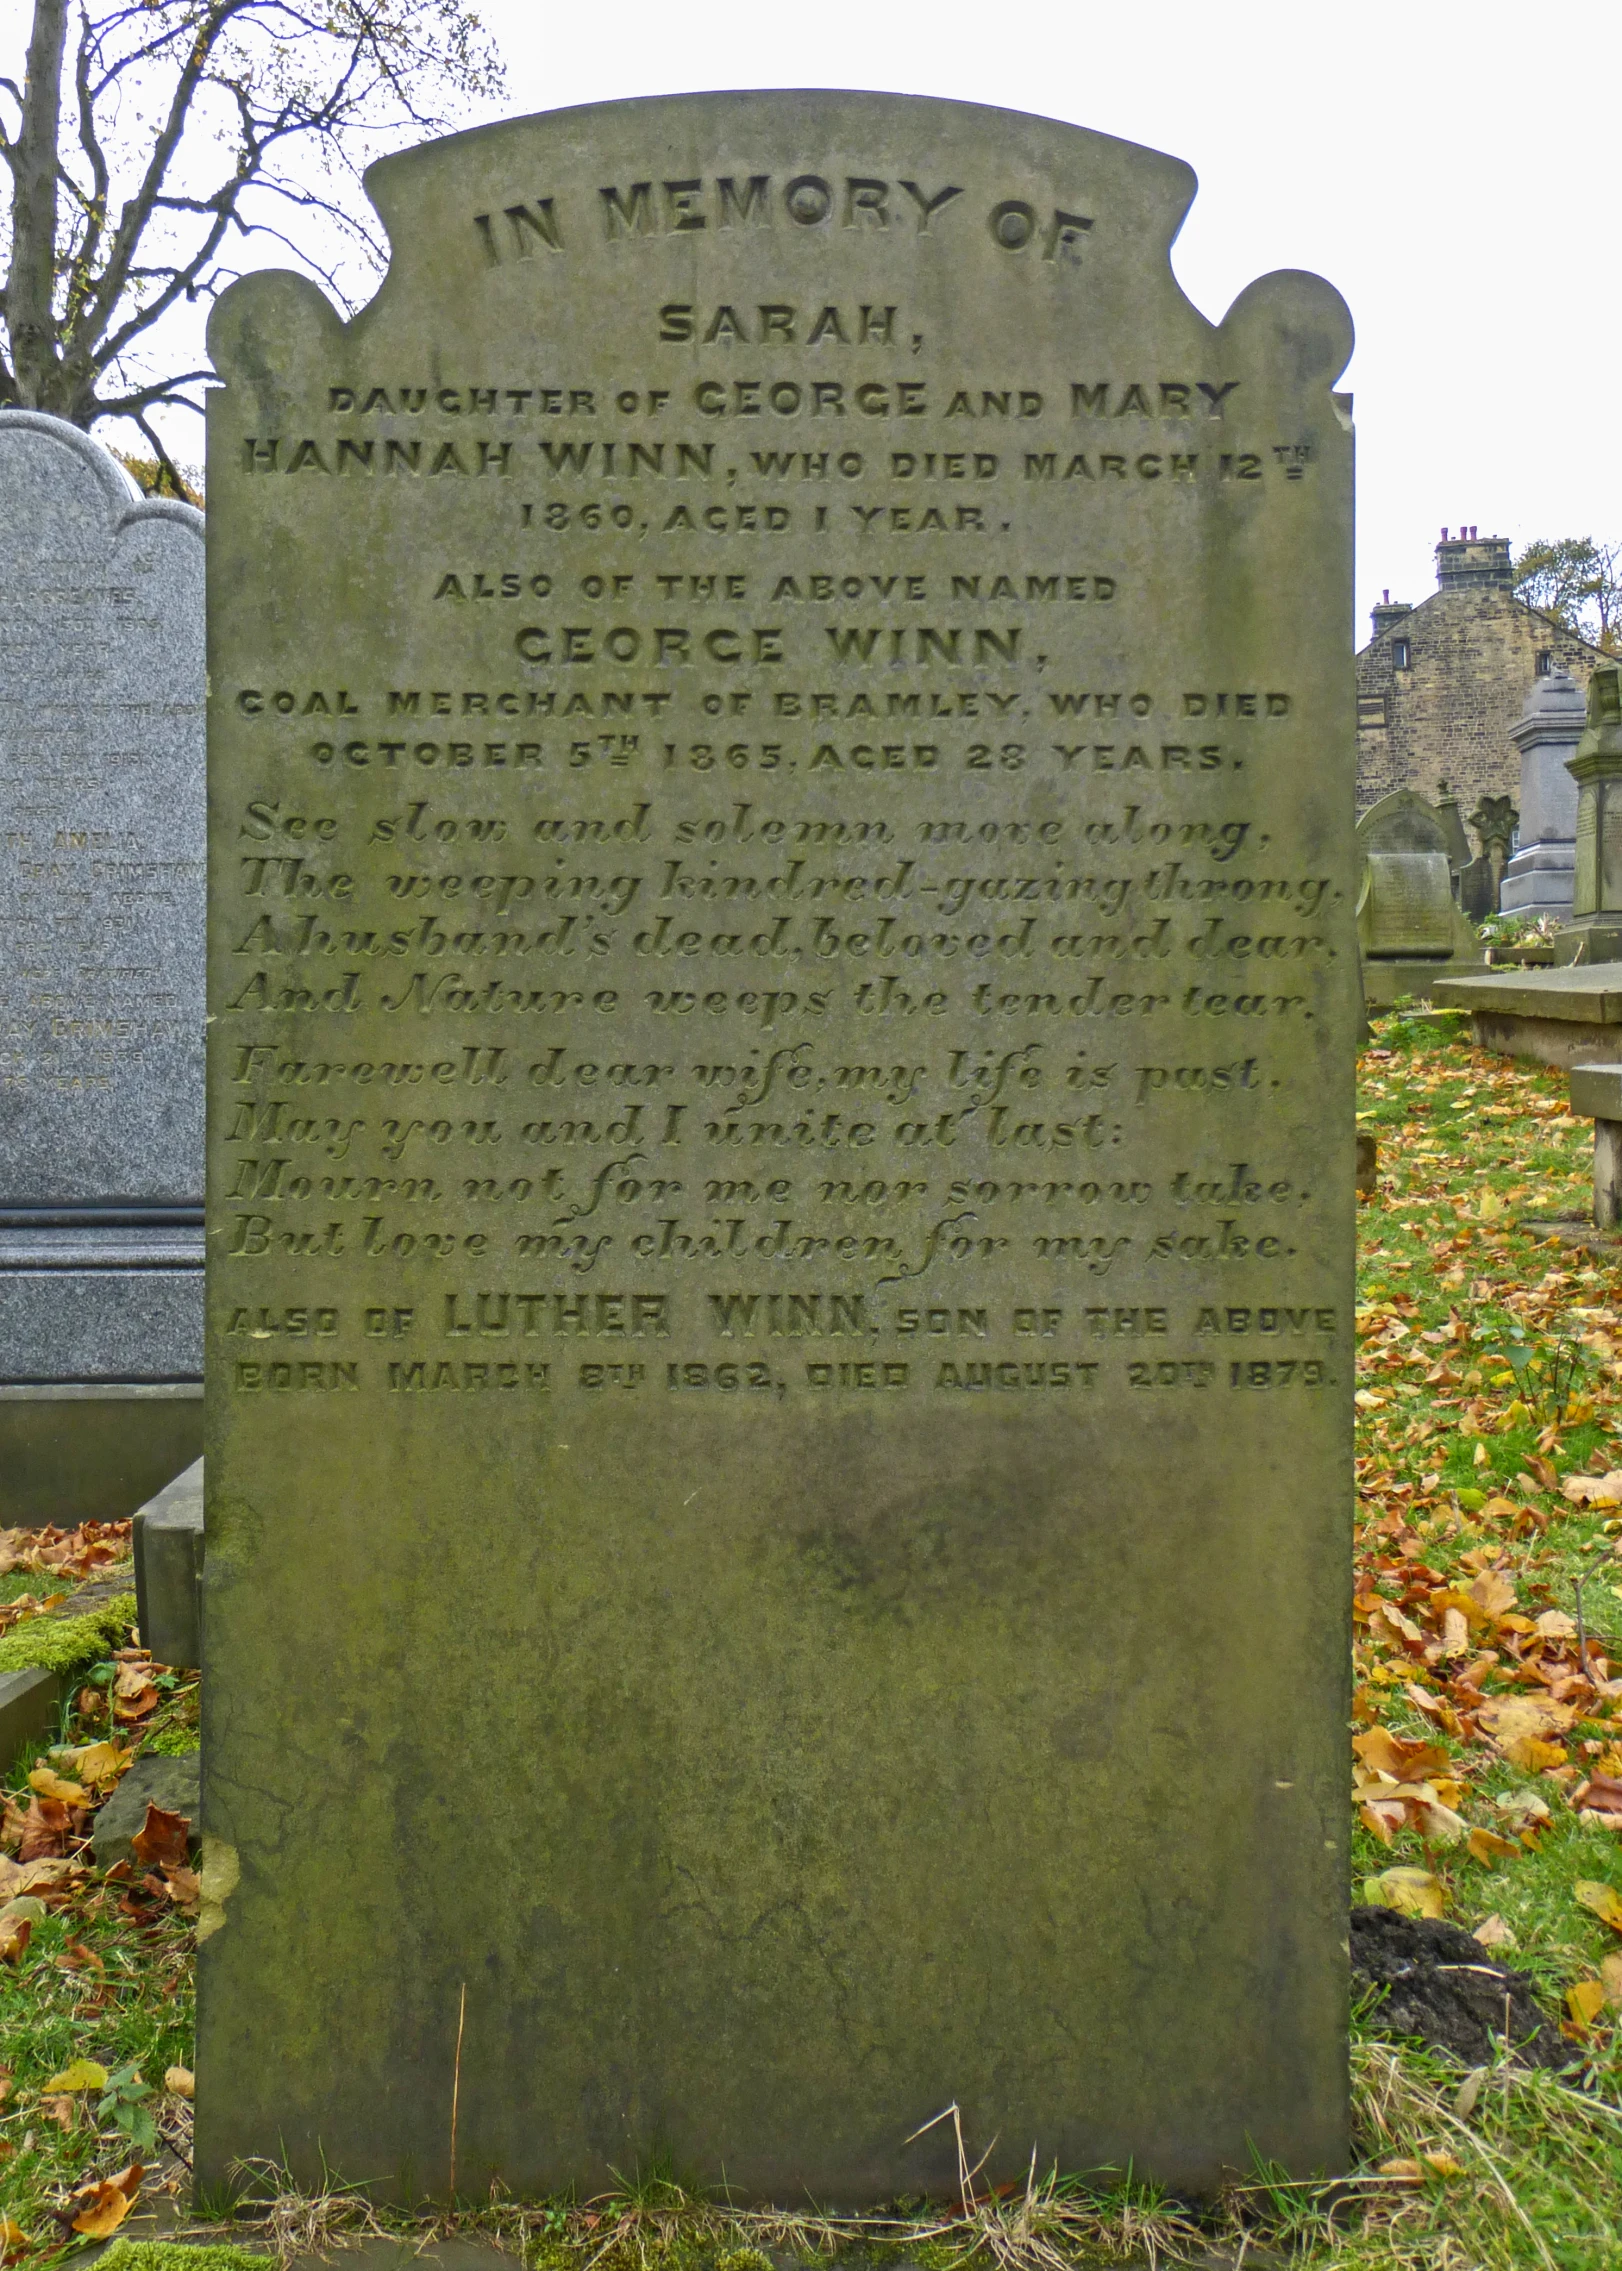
(107, 2203)
(1602, 1900)
(83, 2074)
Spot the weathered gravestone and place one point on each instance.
(1411, 929)
(783, 988)
(1539, 879)
(1595, 930)
(101, 979)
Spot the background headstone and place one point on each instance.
(1411, 929)
(101, 978)
(1595, 931)
(169, 1570)
(1495, 822)
(1538, 880)
(782, 1004)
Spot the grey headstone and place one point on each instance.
(169, 1570)
(101, 916)
(154, 1780)
(1538, 880)
(1404, 822)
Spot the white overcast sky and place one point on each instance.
(1447, 164)
(1450, 165)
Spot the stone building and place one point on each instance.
(1440, 685)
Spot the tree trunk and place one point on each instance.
(30, 306)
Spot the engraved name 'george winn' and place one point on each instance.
(781, 980)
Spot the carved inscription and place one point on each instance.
(101, 833)
(843, 910)
(782, 991)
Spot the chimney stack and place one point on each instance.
(1474, 563)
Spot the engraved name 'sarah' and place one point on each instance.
(825, 867)
(782, 985)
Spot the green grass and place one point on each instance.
(1463, 1441)
(177, 2255)
(40, 1583)
(94, 1982)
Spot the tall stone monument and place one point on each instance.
(101, 979)
(783, 988)
(1595, 931)
(1538, 880)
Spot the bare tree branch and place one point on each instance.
(133, 220)
(30, 285)
(166, 464)
(194, 122)
(89, 244)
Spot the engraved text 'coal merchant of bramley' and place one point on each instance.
(783, 997)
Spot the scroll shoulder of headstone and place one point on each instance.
(779, 1076)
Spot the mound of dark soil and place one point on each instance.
(1444, 1987)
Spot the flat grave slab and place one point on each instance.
(1565, 1016)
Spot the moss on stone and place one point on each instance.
(173, 1742)
(178, 2255)
(552, 2255)
(62, 1644)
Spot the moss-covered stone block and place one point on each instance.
(66, 1644)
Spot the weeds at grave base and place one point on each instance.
(1493, 2170)
(293, 2223)
(653, 2221)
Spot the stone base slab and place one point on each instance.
(94, 1303)
(1559, 1017)
(1387, 982)
(92, 1451)
(1540, 880)
(1546, 1040)
(1540, 894)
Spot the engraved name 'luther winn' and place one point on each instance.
(782, 979)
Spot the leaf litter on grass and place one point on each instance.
(95, 1971)
(1485, 1781)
